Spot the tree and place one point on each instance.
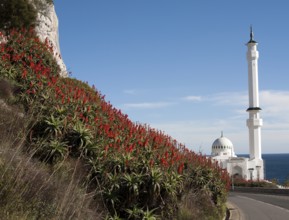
(17, 14)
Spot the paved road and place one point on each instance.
(260, 207)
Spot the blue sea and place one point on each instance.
(276, 166)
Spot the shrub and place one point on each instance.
(249, 183)
(17, 14)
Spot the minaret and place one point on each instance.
(254, 122)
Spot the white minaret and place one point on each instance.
(254, 122)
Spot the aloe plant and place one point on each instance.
(54, 125)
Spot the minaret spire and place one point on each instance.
(251, 36)
(251, 33)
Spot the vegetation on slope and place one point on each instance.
(132, 170)
(30, 189)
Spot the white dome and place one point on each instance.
(222, 142)
(223, 147)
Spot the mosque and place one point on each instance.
(251, 168)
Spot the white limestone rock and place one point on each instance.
(47, 27)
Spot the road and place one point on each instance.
(260, 206)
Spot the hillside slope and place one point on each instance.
(130, 170)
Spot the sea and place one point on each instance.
(276, 166)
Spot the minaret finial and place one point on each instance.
(251, 34)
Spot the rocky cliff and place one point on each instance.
(47, 27)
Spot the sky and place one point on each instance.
(180, 65)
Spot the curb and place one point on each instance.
(233, 212)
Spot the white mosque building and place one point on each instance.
(251, 168)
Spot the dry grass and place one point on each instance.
(30, 189)
(198, 205)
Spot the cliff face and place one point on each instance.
(47, 27)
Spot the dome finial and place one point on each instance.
(222, 134)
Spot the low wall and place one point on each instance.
(261, 190)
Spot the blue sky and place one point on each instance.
(180, 65)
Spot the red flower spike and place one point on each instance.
(24, 74)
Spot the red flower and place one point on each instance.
(24, 74)
(180, 168)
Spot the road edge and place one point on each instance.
(233, 213)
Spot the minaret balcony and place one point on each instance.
(254, 109)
